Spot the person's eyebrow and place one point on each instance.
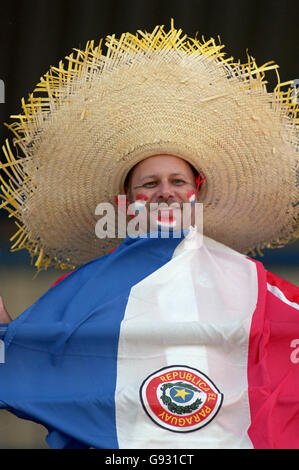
(155, 176)
(148, 176)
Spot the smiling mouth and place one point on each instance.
(165, 216)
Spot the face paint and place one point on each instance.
(140, 201)
(166, 222)
(138, 205)
(191, 196)
(166, 218)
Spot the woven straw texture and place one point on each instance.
(89, 122)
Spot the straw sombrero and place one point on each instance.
(89, 122)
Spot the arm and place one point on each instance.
(4, 317)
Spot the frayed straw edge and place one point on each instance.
(57, 77)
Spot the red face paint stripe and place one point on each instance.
(141, 197)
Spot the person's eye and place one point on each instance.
(149, 184)
(178, 182)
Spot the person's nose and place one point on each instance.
(165, 190)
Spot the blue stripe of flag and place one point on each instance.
(61, 353)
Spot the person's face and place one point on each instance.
(163, 179)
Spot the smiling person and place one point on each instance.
(162, 185)
(177, 341)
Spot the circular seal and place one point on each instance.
(180, 398)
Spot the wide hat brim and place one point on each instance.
(156, 93)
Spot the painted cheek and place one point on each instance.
(191, 196)
(141, 197)
(139, 204)
(140, 201)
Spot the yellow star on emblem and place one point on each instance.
(181, 393)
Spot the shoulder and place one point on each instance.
(97, 260)
(60, 278)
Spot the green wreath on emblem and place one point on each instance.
(173, 407)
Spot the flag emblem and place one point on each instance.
(180, 398)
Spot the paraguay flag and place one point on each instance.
(163, 343)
